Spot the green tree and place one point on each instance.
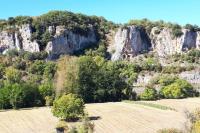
(16, 95)
(37, 67)
(46, 89)
(13, 75)
(179, 89)
(68, 107)
(149, 94)
(24, 95)
(5, 98)
(49, 70)
(86, 76)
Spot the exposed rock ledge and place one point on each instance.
(129, 42)
(132, 41)
(64, 41)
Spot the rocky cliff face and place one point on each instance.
(18, 39)
(132, 41)
(66, 42)
(25, 42)
(165, 44)
(63, 42)
(128, 42)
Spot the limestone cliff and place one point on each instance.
(132, 41)
(66, 42)
(165, 44)
(128, 41)
(63, 42)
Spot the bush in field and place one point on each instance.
(149, 94)
(49, 100)
(172, 91)
(171, 130)
(86, 126)
(194, 121)
(178, 89)
(68, 107)
(196, 127)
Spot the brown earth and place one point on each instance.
(117, 117)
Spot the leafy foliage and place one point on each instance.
(192, 27)
(94, 79)
(68, 107)
(19, 95)
(148, 25)
(25, 83)
(77, 23)
(149, 94)
(178, 89)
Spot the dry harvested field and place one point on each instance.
(117, 117)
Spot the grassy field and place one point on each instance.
(119, 117)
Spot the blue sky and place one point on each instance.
(120, 11)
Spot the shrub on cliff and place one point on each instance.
(150, 64)
(192, 27)
(176, 30)
(173, 69)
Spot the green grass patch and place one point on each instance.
(158, 106)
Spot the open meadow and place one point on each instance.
(118, 117)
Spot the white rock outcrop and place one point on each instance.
(18, 39)
(64, 41)
(7, 41)
(192, 77)
(28, 45)
(67, 42)
(130, 42)
(165, 44)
